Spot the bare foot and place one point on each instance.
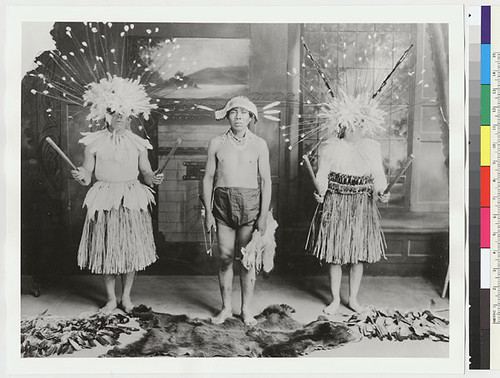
(109, 306)
(127, 305)
(222, 316)
(332, 307)
(248, 319)
(355, 306)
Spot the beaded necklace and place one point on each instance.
(238, 143)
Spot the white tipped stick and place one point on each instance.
(60, 152)
(311, 173)
(164, 163)
(401, 172)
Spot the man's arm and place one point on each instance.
(208, 183)
(84, 173)
(323, 166)
(145, 167)
(265, 185)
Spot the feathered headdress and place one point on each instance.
(343, 106)
(115, 94)
(348, 111)
(99, 73)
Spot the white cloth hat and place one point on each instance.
(237, 102)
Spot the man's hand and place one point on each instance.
(81, 175)
(157, 179)
(318, 197)
(261, 224)
(153, 178)
(210, 222)
(384, 198)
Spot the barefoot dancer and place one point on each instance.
(236, 159)
(117, 237)
(346, 228)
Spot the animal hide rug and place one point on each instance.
(276, 334)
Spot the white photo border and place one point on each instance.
(453, 15)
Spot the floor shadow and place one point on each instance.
(315, 287)
(201, 302)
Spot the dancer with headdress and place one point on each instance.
(97, 71)
(239, 204)
(117, 237)
(346, 226)
(346, 229)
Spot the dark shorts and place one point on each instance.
(236, 207)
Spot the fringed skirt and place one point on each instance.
(346, 227)
(117, 235)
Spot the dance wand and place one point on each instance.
(401, 172)
(164, 162)
(209, 245)
(60, 152)
(311, 173)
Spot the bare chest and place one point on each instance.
(230, 155)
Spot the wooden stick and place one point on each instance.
(311, 173)
(403, 57)
(60, 152)
(205, 231)
(401, 172)
(164, 163)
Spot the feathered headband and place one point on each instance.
(237, 102)
(115, 94)
(243, 102)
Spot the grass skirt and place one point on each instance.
(117, 241)
(346, 226)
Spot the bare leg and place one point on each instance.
(335, 279)
(127, 282)
(226, 237)
(355, 275)
(247, 278)
(109, 282)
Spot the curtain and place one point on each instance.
(438, 36)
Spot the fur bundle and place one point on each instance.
(259, 252)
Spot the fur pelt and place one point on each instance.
(260, 250)
(275, 335)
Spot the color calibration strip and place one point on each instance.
(474, 69)
(479, 184)
(494, 100)
(485, 183)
